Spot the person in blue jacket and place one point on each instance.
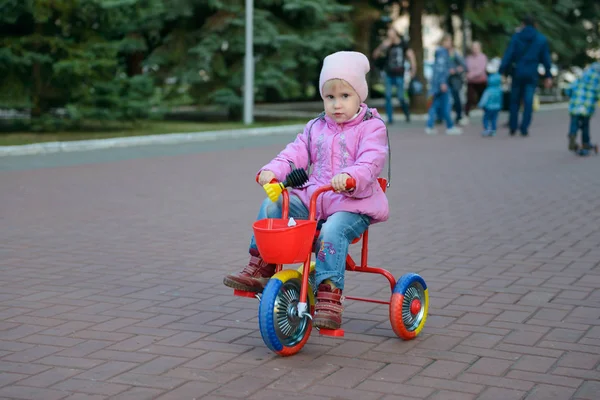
(527, 49)
(439, 92)
(491, 104)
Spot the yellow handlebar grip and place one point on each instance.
(273, 190)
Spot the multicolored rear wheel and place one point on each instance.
(281, 328)
(408, 306)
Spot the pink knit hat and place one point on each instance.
(350, 66)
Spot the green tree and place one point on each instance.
(68, 55)
(494, 21)
(570, 25)
(204, 52)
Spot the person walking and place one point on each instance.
(476, 77)
(395, 51)
(439, 92)
(456, 82)
(527, 49)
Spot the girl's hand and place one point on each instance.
(339, 182)
(265, 177)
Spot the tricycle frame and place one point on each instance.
(350, 263)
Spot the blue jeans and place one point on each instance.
(390, 82)
(521, 91)
(441, 108)
(457, 104)
(583, 123)
(490, 119)
(337, 232)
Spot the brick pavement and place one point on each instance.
(110, 278)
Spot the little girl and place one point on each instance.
(491, 104)
(348, 140)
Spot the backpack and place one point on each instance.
(415, 87)
(455, 81)
(512, 67)
(395, 60)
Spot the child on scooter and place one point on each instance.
(348, 140)
(584, 94)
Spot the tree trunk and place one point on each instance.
(36, 75)
(134, 63)
(36, 99)
(363, 18)
(449, 26)
(135, 59)
(419, 102)
(462, 9)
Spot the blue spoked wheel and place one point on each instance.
(282, 330)
(409, 306)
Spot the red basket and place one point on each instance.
(279, 243)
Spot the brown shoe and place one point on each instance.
(328, 310)
(254, 277)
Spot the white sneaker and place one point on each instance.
(464, 121)
(431, 131)
(454, 131)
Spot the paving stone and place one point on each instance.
(490, 366)
(588, 391)
(534, 363)
(549, 392)
(112, 268)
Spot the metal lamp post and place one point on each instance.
(249, 66)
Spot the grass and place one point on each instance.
(147, 128)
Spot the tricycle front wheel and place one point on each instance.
(409, 306)
(281, 328)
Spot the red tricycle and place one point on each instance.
(288, 300)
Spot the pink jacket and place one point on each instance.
(358, 148)
(476, 66)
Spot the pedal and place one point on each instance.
(243, 293)
(331, 332)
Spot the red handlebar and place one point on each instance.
(350, 183)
